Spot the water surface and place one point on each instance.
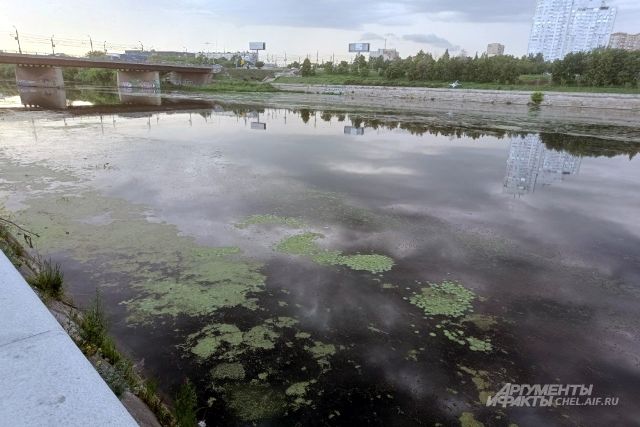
(330, 268)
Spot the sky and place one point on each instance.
(297, 28)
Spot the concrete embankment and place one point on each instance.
(473, 96)
(44, 378)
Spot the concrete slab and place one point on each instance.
(45, 380)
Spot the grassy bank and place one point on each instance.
(526, 83)
(226, 85)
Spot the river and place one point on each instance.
(307, 266)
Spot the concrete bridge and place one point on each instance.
(46, 71)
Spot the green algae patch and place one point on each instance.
(212, 337)
(372, 263)
(305, 244)
(228, 371)
(300, 244)
(270, 220)
(468, 420)
(476, 344)
(298, 392)
(321, 352)
(255, 402)
(449, 299)
(481, 381)
(482, 321)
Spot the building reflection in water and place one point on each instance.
(530, 165)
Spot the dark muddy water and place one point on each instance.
(333, 268)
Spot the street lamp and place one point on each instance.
(141, 46)
(90, 42)
(53, 45)
(17, 38)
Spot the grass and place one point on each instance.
(185, 407)
(48, 279)
(228, 85)
(93, 327)
(525, 83)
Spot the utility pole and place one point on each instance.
(53, 45)
(317, 60)
(91, 43)
(141, 46)
(105, 46)
(17, 37)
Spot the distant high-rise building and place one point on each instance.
(590, 27)
(495, 49)
(625, 41)
(563, 26)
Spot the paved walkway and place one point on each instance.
(45, 380)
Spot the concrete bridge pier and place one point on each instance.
(39, 76)
(183, 78)
(53, 98)
(138, 79)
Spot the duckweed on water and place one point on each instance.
(254, 402)
(467, 420)
(228, 371)
(305, 244)
(448, 299)
(270, 220)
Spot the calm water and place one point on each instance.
(320, 268)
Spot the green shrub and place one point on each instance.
(48, 279)
(537, 98)
(185, 405)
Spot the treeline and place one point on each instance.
(602, 67)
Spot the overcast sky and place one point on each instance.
(292, 26)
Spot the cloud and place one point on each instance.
(431, 39)
(371, 37)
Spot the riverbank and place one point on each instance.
(45, 334)
(472, 96)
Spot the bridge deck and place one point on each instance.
(62, 61)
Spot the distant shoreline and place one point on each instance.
(613, 101)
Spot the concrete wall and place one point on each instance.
(190, 79)
(35, 76)
(45, 380)
(139, 79)
(495, 97)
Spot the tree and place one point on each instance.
(328, 67)
(259, 64)
(306, 69)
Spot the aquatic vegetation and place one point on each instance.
(448, 299)
(270, 220)
(482, 321)
(228, 371)
(305, 244)
(321, 353)
(254, 402)
(476, 344)
(468, 420)
(298, 392)
(372, 263)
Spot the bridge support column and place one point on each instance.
(139, 79)
(190, 79)
(39, 76)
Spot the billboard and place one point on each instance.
(359, 47)
(257, 46)
(258, 126)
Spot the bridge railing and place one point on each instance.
(105, 58)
